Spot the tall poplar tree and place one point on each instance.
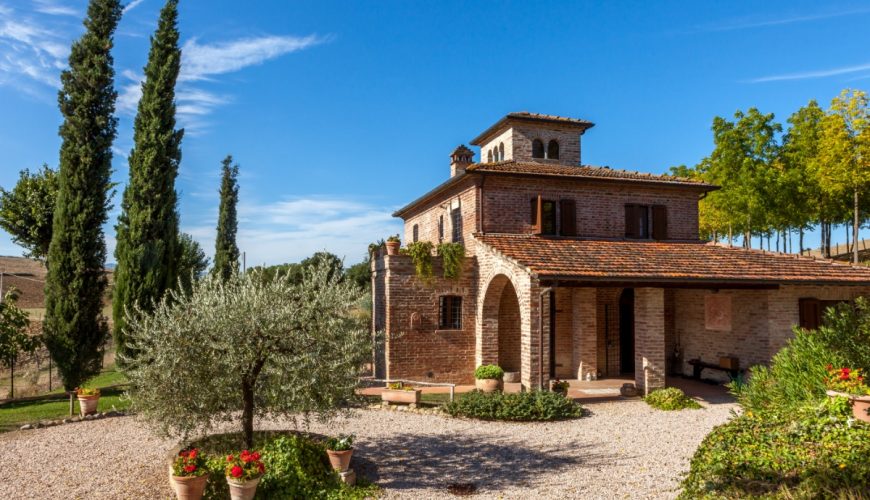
(148, 250)
(74, 326)
(226, 254)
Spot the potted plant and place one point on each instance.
(396, 392)
(393, 244)
(488, 378)
(88, 400)
(849, 383)
(559, 386)
(188, 474)
(243, 472)
(340, 449)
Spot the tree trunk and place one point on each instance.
(801, 241)
(855, 229)
(730, 236)
(248, 413)
(12, 379)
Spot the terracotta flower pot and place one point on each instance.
(340, 460)
(242, 490)
(860, 404)
(488, 384)
(189, 487)
(88, 404)
(393, 247)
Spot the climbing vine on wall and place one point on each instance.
(452, 255)
(421, 254)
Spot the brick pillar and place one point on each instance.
(649, 338)
(585, 331)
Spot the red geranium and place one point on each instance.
(244, 466)
(236, 471)
(189, 463)
(847, 380)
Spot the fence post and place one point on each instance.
(452, 387)
(49, 373)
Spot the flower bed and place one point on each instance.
(520, 406)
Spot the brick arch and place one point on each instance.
(500, 319)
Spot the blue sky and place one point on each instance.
(340, 112)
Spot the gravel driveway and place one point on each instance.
(622, 450)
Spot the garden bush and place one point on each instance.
(296, 468)
(671, 398)
(488, 372)
(521, 406)
(817, 451)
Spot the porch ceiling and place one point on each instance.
(665, 263)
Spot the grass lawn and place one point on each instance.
(16, 414)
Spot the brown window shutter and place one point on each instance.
(660, 222)
(631, 229)
(568, 216)
(536, 214)
(810, 313)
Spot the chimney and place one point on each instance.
(459, 159)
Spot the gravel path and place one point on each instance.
(622, 450)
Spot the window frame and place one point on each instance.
(549, 151)
(543, 152)
(456, 224)
(643, 229)
(415, 233)
(450, 312)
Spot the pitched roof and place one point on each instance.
(581, 171)
(525, 116)
(657, 261)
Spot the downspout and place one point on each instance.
(541, 336)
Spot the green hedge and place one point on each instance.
(671, 398)
(520, 406)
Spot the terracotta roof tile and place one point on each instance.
(580, 171)
(602, 260)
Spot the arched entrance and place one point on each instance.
(500, 341)
(626, 331)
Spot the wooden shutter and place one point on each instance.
(660, 222)
(536, 214)
(810, 312)
(631, 229)
(568, 216)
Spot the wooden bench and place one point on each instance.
(698, 366)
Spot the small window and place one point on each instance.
(537, 148)
(812, 311)
(548, 216)
(440, 228)
(416, 233)
(450, 317)
(501, 152)
(456, 221)
(489, 156)
(553, 150)
(637, 221)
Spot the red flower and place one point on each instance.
(230, 458)
(236, 472)
(256, 455)
(189, 468)
(246, 457)
(192, 454)
(261, 467)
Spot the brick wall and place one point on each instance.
(649, 351)
(509, 330)
(505, 138)
(585, 331)
(427, 217)
(600, 206)
(564, 334)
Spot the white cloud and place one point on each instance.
(30, 52)
(200, 61)
(805, 75)
(132, 5)
(55, 9)
(779, 21)
(291, 230)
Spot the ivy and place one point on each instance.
(421, 254)
(453, 255)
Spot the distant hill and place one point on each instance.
(28, 276)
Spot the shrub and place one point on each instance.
(488, 372)
(452, 255)
(421, 255)
(671, 398)
(817, 451)
(520, 406)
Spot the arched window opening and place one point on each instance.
(416, 232)
(537, 148)
(553, 150)
(501, 152)
(489, 156)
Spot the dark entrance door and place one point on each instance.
(626, 331)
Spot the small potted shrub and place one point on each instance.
(393, 244)
(88, 400)
(488, 378)
(188, 474)
(243, 472)
(340, 449)
(559, 386)
(396, 392)
(849, 383)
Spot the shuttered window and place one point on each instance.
(450, 317)
(659, 222)
(637, 221)
(416, 233)
(568, 218)
(810, 312)
(548, 217)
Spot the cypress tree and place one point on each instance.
(74, 327)
(148, 250)
(226, 254)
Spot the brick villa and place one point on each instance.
(575, 271)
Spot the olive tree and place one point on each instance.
(245, 348)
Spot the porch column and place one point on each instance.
(649, 338)
(585, 331)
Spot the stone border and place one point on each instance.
(71, 420)
(409, 408)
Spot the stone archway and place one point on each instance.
(501, 332)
